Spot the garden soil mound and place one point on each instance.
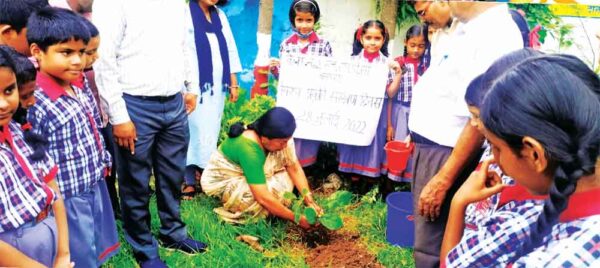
(335, 249)
(343, 250)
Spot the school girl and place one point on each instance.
(548, 141)
(414, 62)
(33, 225)
(303, 15)
(370, 45)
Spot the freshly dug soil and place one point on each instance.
(343, 250)
(325, 248)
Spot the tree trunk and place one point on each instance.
(389, 12)
(263, 39)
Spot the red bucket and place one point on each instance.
(397, 155)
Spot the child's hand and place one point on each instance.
(396, 67)
(390, 134)
(407, 140)
(480, 185)
(63, 261)
(274, 63)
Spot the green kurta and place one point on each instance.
(248, 155)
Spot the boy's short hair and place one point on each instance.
(24, 68)
(16, 12)
(51, 26)
(90, 26)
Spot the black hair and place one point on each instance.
(522, 25)
(222, 2)
(8, 58)
(24, 68)
(309, 6)
(50, 26)
(16, 12)
(477, 89)
(552, 100)
(276, 123)
(357, 45)
(416, 31)
(90, 27)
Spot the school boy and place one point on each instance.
(67, 115)
(13, 22)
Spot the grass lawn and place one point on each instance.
(365, 216)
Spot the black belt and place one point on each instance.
(154, 98)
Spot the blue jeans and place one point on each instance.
(162, 139)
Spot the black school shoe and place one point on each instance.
(187, 246)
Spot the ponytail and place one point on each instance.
(36, 141)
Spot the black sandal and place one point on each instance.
(186, 196)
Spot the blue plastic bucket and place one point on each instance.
(400, 229)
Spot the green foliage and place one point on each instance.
(337, 200)
(371, 214)
(331, 222)
(406, 15)
(225, 251)
(244, 110)
(551, 24)
(311, 215)
(332, 205)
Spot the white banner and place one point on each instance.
(333, 99)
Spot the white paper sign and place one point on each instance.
(333, 99)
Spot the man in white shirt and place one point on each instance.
(447, 146)
(147, 77)
(83, 7)
(437, 15)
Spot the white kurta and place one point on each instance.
(205, 121)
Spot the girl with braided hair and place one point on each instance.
(413, 64)
(548, 140)
(33, 223)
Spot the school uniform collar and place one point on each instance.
(581, 205)
(370, 56)
(50, 87)
(80, 81)
(312, 38)
(5, 134)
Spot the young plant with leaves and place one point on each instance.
(331, 205)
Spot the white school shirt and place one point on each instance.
(147, 49)
(438, 110)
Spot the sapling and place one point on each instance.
(329, 218)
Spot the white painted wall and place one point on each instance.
(340, 18)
